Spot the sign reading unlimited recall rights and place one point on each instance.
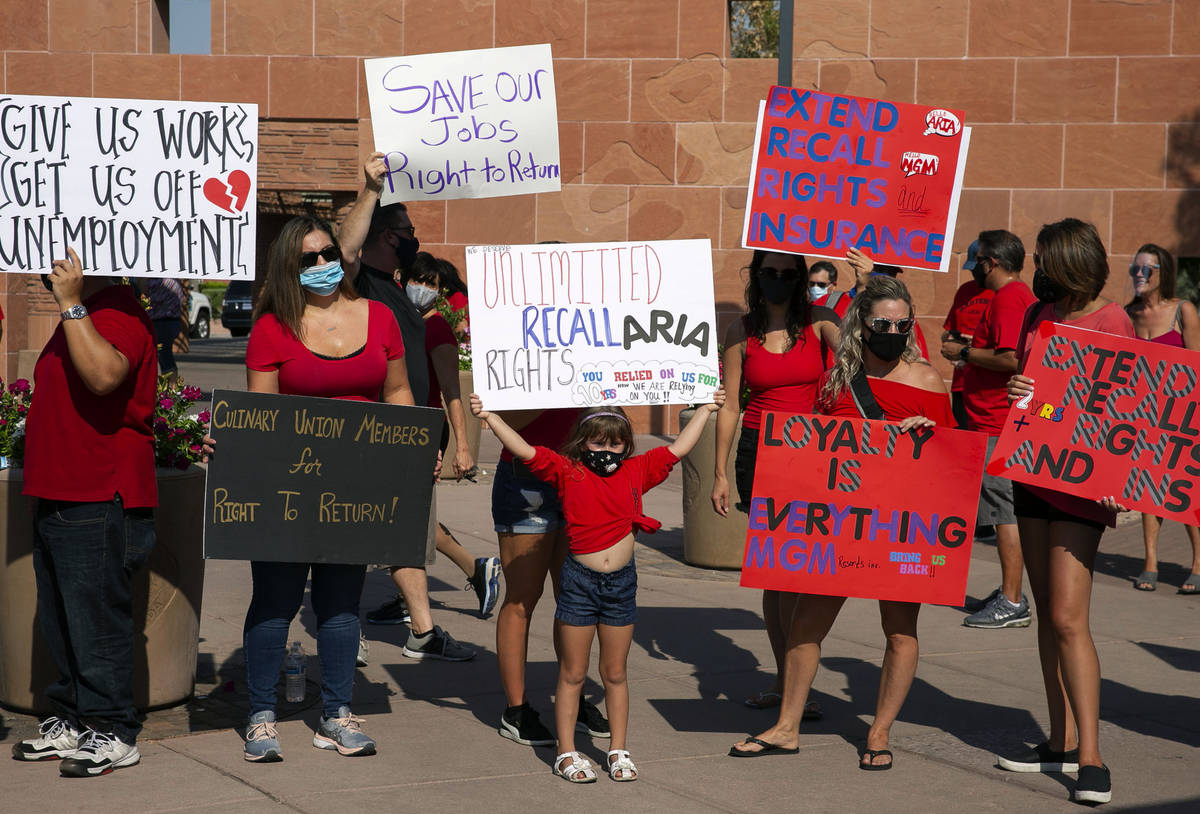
(302, 479)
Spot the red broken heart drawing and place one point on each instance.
(229, 195)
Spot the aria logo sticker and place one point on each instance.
(941, 122)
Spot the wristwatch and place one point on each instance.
(74, 312)
(964, 353)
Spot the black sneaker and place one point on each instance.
(392, 612)
(1094, 786)
(485, 582)
(436, 644)
(1042, 758)
(591, 721)
(522, 724)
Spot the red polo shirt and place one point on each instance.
(86, 448)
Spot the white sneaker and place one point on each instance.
(57, 738)
(99, 753)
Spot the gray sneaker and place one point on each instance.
(437, 644)
(364, 650)
(262, 741)
(1000, 613)
(344, 733)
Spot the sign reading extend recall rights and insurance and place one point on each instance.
(137, 188)
(843, 507)
(568, 325)
(303, 479)
(834, 172)
(465, 124)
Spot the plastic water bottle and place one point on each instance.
(295, 669)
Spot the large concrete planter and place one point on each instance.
(710, 540)
(466, 387)
(166, 599)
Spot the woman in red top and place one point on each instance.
(313, 336)
(601, 488)
(878, 341)
(1060, 533)
(1159, 316)
(777, 351)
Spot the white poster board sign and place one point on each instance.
(137, 188)
(580, 324)
(465, 124)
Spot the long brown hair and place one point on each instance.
(798, 316)
(282, 294)
(1166, 270)
(1071, 254)
(598, 424)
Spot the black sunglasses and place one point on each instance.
(328, 254)
(883, 325)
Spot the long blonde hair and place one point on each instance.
(848, 360)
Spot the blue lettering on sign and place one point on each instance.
(791, 555)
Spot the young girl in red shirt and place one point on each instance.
(600, 483)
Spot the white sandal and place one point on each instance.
(622, 764)
(579, 770)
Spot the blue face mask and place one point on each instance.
(322, 280)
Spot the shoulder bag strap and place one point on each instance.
(864, 399)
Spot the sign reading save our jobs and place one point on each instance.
(833, 172)
(465, 124)
(843, 507)
(302, 479)
(137, 188)
(563, 325)
(1109, 416)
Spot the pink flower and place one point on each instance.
(20, 386)
(166, 402)
(195, 448)
(191, 393)
(204, 416)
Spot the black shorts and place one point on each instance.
(1028, 504)
(743, 467)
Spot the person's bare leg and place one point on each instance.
(1008, 546)
(614, 658)
(813, 618)
(899, 621)
(1072, 556)
(414, 587)
(524, 561)
(446, 544)
(1151, 526)
(572, 671)
(1193, 534)
(1035, 542)
(777, 633)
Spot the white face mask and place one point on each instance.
(817, 291)
(421, 296)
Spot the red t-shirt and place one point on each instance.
(897, 400)
(357, 377)
(87, 448)
(970, 302)
(1111, 319)
(600, 511)
(549, 429)
(786, 382)
(437, 333)
(841, 306)
(985, 392)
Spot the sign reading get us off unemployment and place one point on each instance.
(137, 188)
(831, 173)
(843, 507)
(1109, 416)
(303, 479)
(465, 124)
(566, 325)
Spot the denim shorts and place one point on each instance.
(523, 504)
(588, 597)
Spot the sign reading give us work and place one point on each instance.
(833, 172)
(465, 124)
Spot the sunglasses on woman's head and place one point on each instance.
(882, 325)
(1142, 271)
(326, 255)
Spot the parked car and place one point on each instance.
(237, 308)
(199, 314)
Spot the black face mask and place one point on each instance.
(980, 274)
(777, 291)
(406, 252)
(602, 462)
(889, 347)
(1044, 288)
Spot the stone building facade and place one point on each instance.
(1080, 107)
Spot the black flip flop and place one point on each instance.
(767, 749)
(870, 765)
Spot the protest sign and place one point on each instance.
(1110, 416)
(569, 325)
(844, 507)
(301, 479)
(833, 172)
(465, 124)
(137, 188)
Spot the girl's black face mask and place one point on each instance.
(603, 462)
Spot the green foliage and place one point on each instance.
(1187, 279)
(457, 324)
(754, 29)
(14, 405)
(178, 435)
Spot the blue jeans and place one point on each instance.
(84, 559)
(588, 597)
(522, 504)
(278, 592)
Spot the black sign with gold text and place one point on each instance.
(303, 479)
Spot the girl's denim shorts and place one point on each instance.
(588, 597)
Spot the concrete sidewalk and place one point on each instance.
(699, 649)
